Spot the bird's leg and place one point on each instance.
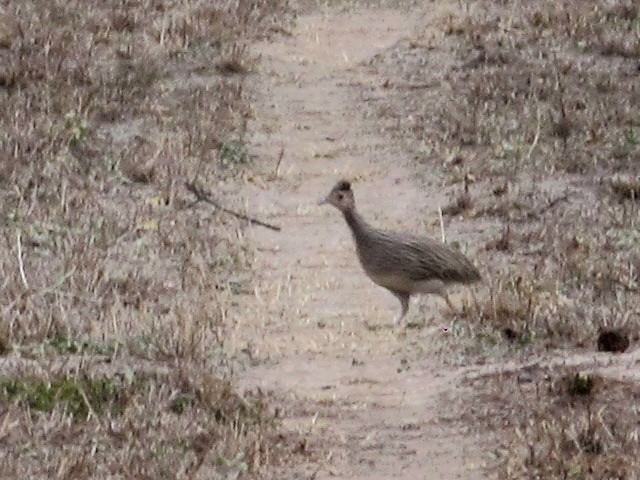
(437, 287)
(404, 302)
(476, 303)
(448, 300)
(449, 328)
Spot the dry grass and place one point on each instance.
(576, 425)
(529, 116)
(174, 424)
(105, 116)
(108, 108)
(535, 122)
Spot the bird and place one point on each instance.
(403, 263)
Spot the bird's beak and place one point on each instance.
(324, 201)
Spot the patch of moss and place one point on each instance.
(78, 396)
(233, 153)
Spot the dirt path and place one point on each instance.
(354, 389)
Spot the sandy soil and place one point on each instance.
(317, 330)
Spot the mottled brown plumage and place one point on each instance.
(402, 263)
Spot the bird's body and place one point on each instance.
(402, 263)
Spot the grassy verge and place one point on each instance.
(525, 113)
(530, 122)
(576, 425)
(115, 286)
(152, 425)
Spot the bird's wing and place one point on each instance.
(428, 259)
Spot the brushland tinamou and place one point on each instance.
(402, 263)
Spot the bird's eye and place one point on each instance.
(340, 196)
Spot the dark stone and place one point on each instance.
(613, 340)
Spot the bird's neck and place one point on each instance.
(356, 223)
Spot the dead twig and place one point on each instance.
(276, 172)
(23, 276)
(444, 237)
(536, 138)
(202, 196)
(553, 203)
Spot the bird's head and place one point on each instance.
(341, 197)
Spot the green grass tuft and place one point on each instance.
(78, 397)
